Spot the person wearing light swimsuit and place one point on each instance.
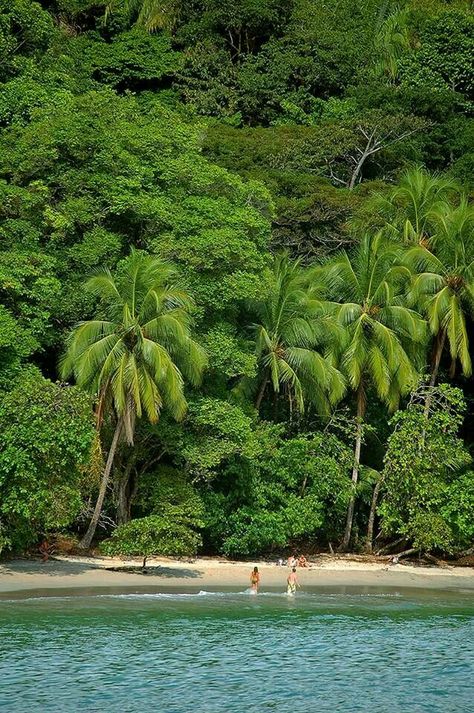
(292, 582)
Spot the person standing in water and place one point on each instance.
(292, 582)
(255, 579)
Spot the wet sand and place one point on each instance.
(85, 573)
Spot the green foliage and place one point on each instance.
(443, 54)
(427, 482)
(102, 163)
(213, 432)
(213, 136)
(290, 491)
(153, 535)
(129, 59)
(167, 491)
(135, 358)
(289, 333)
(228, 353)
(24, 25)
(444, 287)
(311, 214)
(46, 439)
(16, 344)
(381, 340)
(29, 289)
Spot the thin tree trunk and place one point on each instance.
(123, 495)
(357, 170)
(356, 466)
(85, 543)
(437, 357)
(122, 502)
(373, 507)
(261, 393)
(452, 368)
(440, 340)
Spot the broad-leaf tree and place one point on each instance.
(48, 458)
(428, 480)
(136, 354)
(381, 336)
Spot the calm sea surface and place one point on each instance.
(348, 650)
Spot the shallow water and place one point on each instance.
(323, 650)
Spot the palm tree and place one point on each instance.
(444, 285)
(391, 42)
(150, 14)
(381, 337)
(410, 207)
(134, 359)
(290, 326)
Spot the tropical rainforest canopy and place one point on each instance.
(237, 275)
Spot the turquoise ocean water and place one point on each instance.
(323, 651)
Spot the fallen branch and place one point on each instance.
(466, 553)
(437, 562)
(407, 553)
(387, 548)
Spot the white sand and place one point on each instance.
(164, 574)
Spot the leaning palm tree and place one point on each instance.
(135, 357)
(444, 285)
(150, 14)
(382, 338)
(409, 209)
(289, 331)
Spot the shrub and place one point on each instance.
(153, 535)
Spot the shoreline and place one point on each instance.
(71, 574)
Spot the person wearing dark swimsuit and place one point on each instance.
(255, 579)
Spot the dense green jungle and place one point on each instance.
(237, 276)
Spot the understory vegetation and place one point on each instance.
(237, 275)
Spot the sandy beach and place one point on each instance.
(85, 573)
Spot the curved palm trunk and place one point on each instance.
(356, 466)
(85, 543)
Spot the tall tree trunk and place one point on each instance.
(124, 492)
(437, 357)
(85, 543)
(355, 469)
(261, 393)
(452, 368)
(123, 497)
(438, 353)
(355, 173)
(373, 507)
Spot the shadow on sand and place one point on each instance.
(61, 568)
(156, 571)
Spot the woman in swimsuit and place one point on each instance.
(292, 582)
(254, 579)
